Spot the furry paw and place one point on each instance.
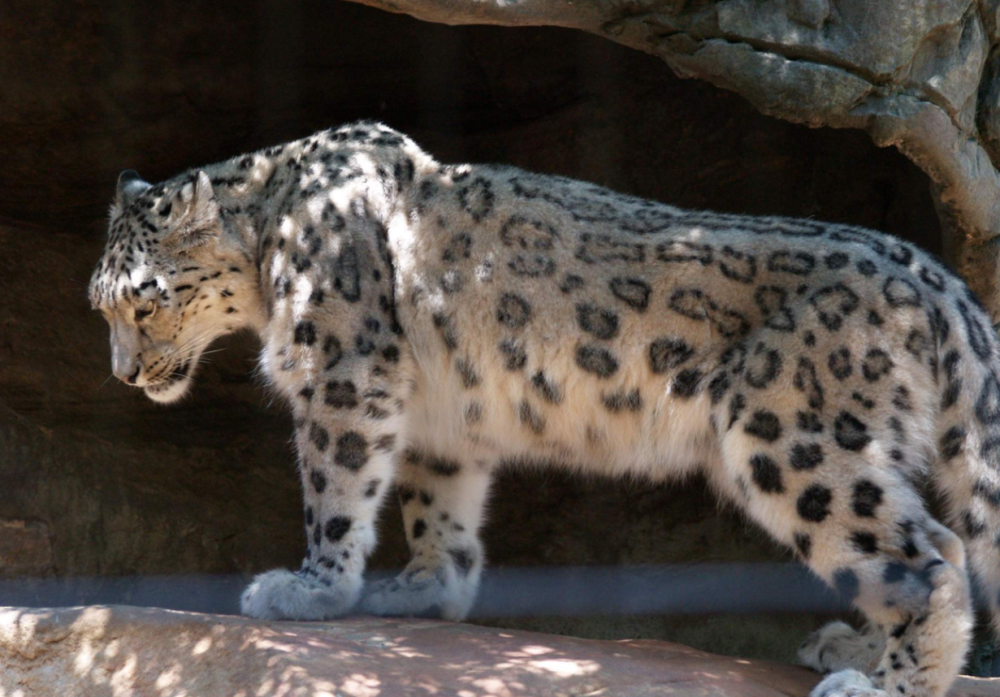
(838, 646)
(283, 595)
(419, 592)
(847, 683)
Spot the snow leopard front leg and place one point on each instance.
(335, 350)
(443, 502)
(346, 461)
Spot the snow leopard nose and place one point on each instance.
(125, 365)
(126, 361)
(132, 378)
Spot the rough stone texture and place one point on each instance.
(909, 72)
(25, 547)
(110, 484)
(125, 651)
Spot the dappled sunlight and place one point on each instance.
(203, 645)
(112, 651)
(90, 625)
(524, 659)
(361, 685)
(170, 677)
(530, 651)
(565, 667)
(18, 629)
(409, 653)
(493, 686)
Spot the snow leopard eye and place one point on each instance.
(146, 310)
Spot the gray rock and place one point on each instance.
(805, 60)
(776, 85)
(878, 39)
(947, 68)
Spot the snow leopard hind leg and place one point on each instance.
(831, 479)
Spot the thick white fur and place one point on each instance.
(426, 322)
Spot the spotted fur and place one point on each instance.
(425, 321)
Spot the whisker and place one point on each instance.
(199, 340)
(196, 343)
(184, 353)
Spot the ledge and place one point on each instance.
(119, 650)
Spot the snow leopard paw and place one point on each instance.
(847, 683)
(283, 595)
(838, 646)
(420, 592)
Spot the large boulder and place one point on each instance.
(133, 652)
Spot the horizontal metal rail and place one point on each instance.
(735, 588)
(574, 591)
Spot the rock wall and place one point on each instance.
(99, 481)
(917, 75)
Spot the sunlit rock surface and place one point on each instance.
(135, 651)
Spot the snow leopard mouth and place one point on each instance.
(174, 384)
(180, 373)
(174, 376)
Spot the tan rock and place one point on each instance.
(126, 651)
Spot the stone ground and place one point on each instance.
(118, 651)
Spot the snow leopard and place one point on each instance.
(426, 321)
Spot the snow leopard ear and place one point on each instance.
(200, 216)
(130, 186)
